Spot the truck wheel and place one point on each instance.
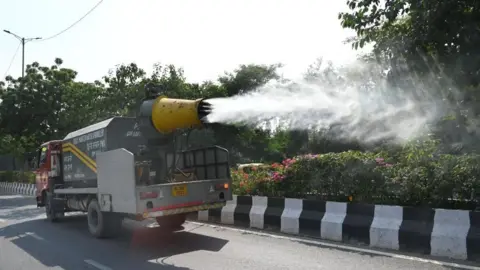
(102, 224)
(172, 223)
(49, 211)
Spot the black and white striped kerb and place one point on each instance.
(438, 232)
(18, 188)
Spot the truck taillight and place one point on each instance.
(148, 195)
(221, 186)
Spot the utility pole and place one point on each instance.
(23, 41)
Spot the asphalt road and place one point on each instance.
(29, 242)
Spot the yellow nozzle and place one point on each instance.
(169, 114)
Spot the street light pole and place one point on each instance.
(23, 57)
(23, 41)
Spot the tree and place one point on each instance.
(443, 32)
(427, 45)
(248, 77)
(33, 105)
(122, 92)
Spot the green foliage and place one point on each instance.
(267, 181)
(248, 77)
(17, 177)
(427, 44)
(415, 176)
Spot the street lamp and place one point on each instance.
(23, 40)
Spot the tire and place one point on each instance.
(102, 224)
(171, 223)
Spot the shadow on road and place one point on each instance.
(68, 241)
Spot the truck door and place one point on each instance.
(41, 171)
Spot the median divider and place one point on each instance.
(18, 188)
(438, 232)
(453, 234)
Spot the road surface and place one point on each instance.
(28, 242)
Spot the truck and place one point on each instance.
(138, 167)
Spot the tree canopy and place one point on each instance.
(429, 43)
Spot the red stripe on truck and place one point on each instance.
(174, 206)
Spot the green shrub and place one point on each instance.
(17, 176)
(414, 175)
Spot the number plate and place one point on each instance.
(178, 191)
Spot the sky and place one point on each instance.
(205, 38)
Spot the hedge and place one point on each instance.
(412, 177)
(17, 176)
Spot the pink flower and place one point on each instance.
(287, 162)
(276, 165)
(277, 177)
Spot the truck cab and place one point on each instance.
(45, 164)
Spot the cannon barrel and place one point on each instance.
(169, 114)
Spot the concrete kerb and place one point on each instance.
(453, 234)
(18, 188)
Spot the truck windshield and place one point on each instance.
(43, 156)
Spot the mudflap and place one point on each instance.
(58, 205)
(41, 198)
(55, 208)
(40, 202)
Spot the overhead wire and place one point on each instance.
(72, 25)
(13, 59)
(53, 36)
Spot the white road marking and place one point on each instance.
(344, 247)
(97, 265)
(153, 225)
(35, 236)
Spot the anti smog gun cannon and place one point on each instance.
(134, 167)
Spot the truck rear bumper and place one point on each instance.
(181, 209)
